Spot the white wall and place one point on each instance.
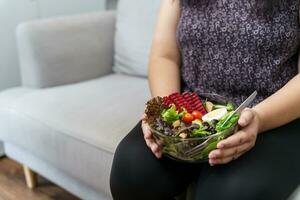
(12, 12)
(49, 8)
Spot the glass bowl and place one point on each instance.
(194, 149)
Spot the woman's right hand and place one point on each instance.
(150, 141)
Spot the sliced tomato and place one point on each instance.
(196, 114)
(188, 118)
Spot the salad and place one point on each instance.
(186, 116)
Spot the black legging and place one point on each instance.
(270, 171)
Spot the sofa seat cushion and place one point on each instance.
(100, 112)
(77, 127)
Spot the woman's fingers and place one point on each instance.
(225, 160)
(143, 116)
(158, 153)
(235, 140)
(230, 152)
(155, 148)
(239, 143)
(152, 145)
(146, 130)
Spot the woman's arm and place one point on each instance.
(164, 63)
(280, 108)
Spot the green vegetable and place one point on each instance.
(197, 121)
(202, 131)
(228, 124)
(182, 113)
(171, 115)
(229, 106)
(211, 146)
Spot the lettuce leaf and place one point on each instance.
(228, 124)
(171, 115)
(200, 132)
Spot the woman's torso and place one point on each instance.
(229, 49)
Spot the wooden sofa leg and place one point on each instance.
(30, 177)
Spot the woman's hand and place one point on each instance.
(239, 143)
(155, 148)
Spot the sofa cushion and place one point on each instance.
(99, 112)
(77, 127)
(134, 29)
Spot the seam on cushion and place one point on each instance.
(56, 130)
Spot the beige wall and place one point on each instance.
(12, 12)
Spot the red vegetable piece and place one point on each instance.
(188, 118)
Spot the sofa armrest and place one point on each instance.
(66, 50)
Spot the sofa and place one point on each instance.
(84, 87)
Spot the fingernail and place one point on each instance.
(158, 155)
(221, 145)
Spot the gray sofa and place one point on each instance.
(84, 87)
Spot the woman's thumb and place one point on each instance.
(246, 117)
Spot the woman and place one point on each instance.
(228, 47)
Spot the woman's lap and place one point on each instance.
(138, 174)
(269, 171)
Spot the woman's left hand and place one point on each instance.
(239, 143)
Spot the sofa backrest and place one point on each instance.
(136, 20)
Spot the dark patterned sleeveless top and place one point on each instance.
(229, 49)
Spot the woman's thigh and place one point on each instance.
(269, 171)
(138, 174)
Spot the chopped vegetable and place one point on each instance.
(183, 135)
(176, 123)
(187, 100)
(200, 132)
(197, 114)
(188, 118)
(229, 107)
(170, 115)
(228, 124)
(209, 106)
(214, 115)
(154, 108)
(197, 121)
